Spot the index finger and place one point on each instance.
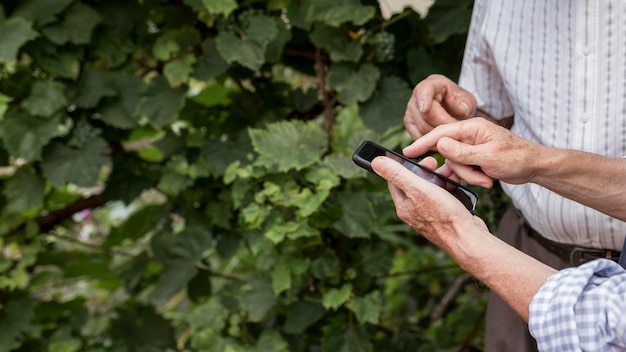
(461, 130)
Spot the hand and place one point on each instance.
(478, 150)
(436, 101)
(427, 208)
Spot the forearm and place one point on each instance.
(513, 275)
(590, 179)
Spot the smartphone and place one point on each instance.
(369, 150)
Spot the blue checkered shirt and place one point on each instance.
(581, 309)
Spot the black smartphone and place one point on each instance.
(369, 150)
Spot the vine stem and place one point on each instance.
(328, 100)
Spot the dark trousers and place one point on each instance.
(505, 331)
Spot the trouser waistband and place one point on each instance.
(573, 254)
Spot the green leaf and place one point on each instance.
(142, 329)
(337, 42)
(377, 259)
(4, 104)
(24, 190)
(301, 315)
(281, 277)
(66, 345)
(197, 317)
(326, 265)
(305, 143)
(160, 103)
(367, 309)
(137, 225)
(341, 336)
(179, 254)
(353, 86)
(24, 136)
(17, 320)
(14, 33)
(94, 85)
(270, 340)
(285, 267)
(120, 111)
(178, 71)
(223, 7)
(76, 27)
(56, 61)
(175, 41)
(421, 63)
(387, 106)
(276, 47)
(62, 164)
(357, 215)
(248, 50)
(335, 298)
(42, 12)
(210, 64)
(448, 17)
(336, 12)
(46, 97)
(258, 300)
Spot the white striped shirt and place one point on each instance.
(559, 67)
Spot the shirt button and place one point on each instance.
(585, 51)
(584, 118)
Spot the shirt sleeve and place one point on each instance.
(479, 72)
(581, 309)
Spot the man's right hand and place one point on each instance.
(436, 101)
(478, 150)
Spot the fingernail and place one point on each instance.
(465, 107)
(421, 105)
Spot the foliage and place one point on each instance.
(176, 175)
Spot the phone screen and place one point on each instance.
(369, 150)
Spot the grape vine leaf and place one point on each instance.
(271, 340)
(62, 164)
(337, 42)
(4, 104)
(336, 12)
(289, 144)
(94, 85)
(179, 254)
(341, 336)
(387, 106)
(367, 309)
(160, 103)
(24, 190)
(14, 33)
(17, 320)
(46, 98)
(353, 86)
(335, 298)
(175, 41)
(356, 220)
(41, 12)
(217, 7)
(76, 27)
(57, 61)
(448, 17)
(210, 64)
(258, 300)
(249, 50)
(120, 111)
(301, 315)
(136, 225)
(24, 136)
